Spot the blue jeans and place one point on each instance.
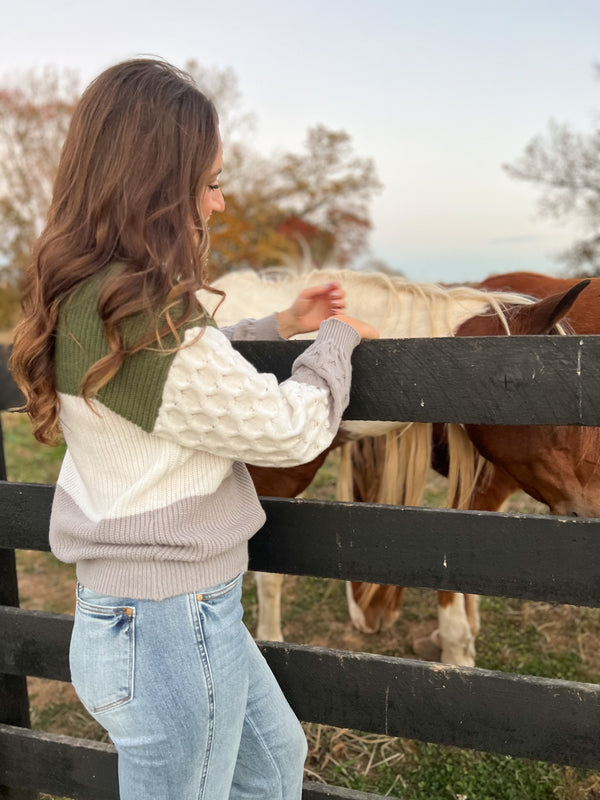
(187, 698)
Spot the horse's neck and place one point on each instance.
(247, 295)
(398, 309)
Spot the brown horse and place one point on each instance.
(584, 313)
(539, 459)
(557, 465)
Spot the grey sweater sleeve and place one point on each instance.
(254, 330)
(327, 364)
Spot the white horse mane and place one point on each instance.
(436, 297)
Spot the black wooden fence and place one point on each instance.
(545, 380)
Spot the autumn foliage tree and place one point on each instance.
(34, 117)
(281, 208)
(312, 203)
(315, 202)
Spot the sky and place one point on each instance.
(438, 94)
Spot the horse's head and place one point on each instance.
(537, 317)
(556, 464)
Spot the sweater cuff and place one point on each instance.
(339, 332)
(268, 328)
(254, 330)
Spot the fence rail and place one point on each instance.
(515, 380)
(554, 559)
(481, 709)
(546, 380)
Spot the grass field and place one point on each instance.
(517, 636)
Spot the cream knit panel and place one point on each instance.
(216, 401)
(112, 468)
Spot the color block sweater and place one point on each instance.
(153, 498)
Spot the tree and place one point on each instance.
(277, 209)
(34, 117)
(565, 166)
(288, 206)
(221, 85)
(315, 201)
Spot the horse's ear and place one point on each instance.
(541, 317)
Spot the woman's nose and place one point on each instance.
(219, 201)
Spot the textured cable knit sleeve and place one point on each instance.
(214, 400)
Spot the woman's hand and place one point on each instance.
(365, 330)
(310, 308)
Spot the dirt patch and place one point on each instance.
(45, 584)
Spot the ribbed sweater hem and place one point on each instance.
(155, 580)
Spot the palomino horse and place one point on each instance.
(399, 309)
(557, 465)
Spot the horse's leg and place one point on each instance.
(372, 606)
(453, 642)
(269, 585)
(454, 633)
(387, 469)
(278, 482)
(472, 612)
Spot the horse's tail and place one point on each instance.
(393, 469)
(389, 469)
(465, 466)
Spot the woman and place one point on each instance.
(159, 412)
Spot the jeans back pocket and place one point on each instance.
(102, 655)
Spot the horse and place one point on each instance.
(535, 457)
(584, 314)
(399, 308)
(557, 465)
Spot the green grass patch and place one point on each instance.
(510, 643)
(447, 773)
(420, 771)
(28, 460)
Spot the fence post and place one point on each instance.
(14, 700)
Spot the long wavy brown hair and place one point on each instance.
(137, 157)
